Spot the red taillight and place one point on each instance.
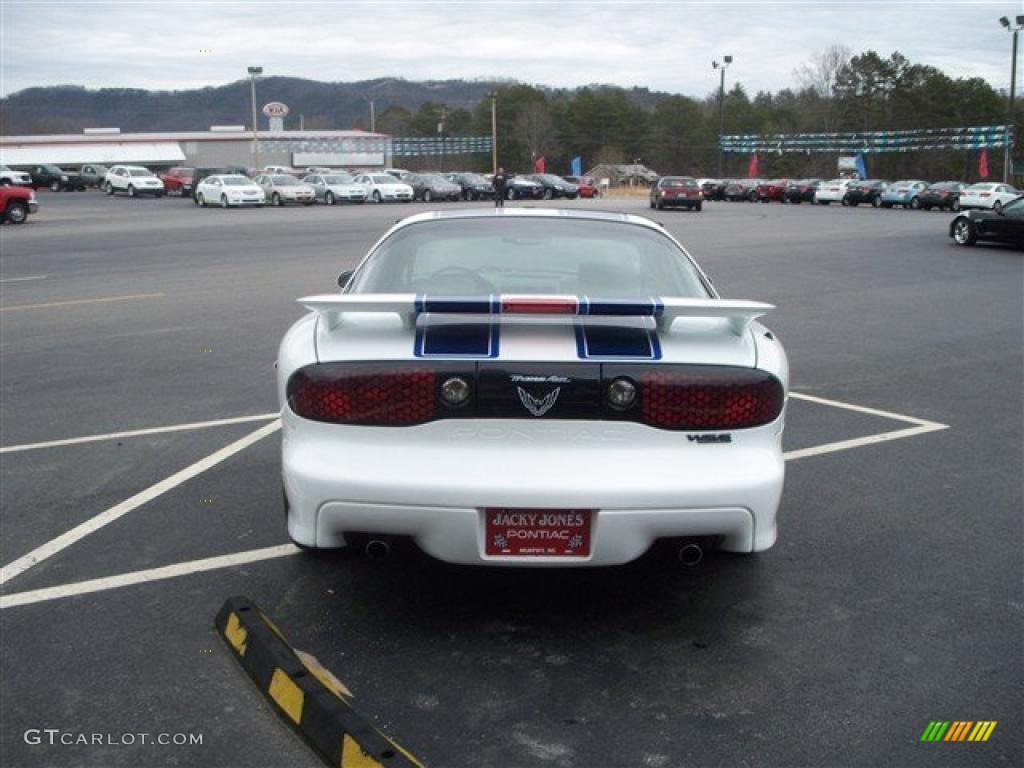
(710, 399)
(543, 305)
(380, 396)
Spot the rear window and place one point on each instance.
(472, 257)
(139, 172)
(678, 183)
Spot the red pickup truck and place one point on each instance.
(16, 203)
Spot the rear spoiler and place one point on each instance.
(409, 306)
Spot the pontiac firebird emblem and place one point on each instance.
(535, 406)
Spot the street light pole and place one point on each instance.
(1008, 151)
(373, 117)
(726, 61)
(253, 72)
(494, 134)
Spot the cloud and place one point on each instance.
(661, 45)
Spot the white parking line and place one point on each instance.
(138, 433)
(52, 547)
(22, 279)
(150, 574)
(858, 442)
(921, 426)
(868, 411)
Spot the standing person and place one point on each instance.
(500, 181)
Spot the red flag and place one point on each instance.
(983, 164)
(752, 168)
(539, 164)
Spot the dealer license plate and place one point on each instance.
(538, 532)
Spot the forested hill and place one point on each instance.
(70, 108)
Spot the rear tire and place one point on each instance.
(915, 203)
(427, 196)
(698, 207)
(329, 198)
(223, 201)
(275, 200)
(955, 205)
(548, 194)
(376, 196)
(108, 188)
(131, 191)
(201, 200)
(875, 202)
(55, 186)
(997, 207)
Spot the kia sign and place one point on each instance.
(275, 109)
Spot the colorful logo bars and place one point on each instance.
(958, 730)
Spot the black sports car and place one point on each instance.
(1006, 226)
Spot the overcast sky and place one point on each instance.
(661, 45)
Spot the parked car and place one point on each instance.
(775, 189)
(554, 186)
(54, 178)
(11, 177)
(332, 187)
(832, 191)
(1005, 225)
(801, 191)
(867, 191)
(713, 189)
(398, 173)
(180, 181)
(17, 202)
(905, 193)
(432, 186)
(988, 195)
(741, 190)
(93, 175)
(676, 192)
(281, 169)
(522, 188)
(314, 170)
(381, 187)
(133, 180)
(586, 185)
(232, 190)
(943, 195)
(283, 188)
(496, 426)
(473, 185)
(198, 174)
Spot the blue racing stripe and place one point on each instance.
(618, 341)
(448, 339)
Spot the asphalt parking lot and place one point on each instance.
(893, 597)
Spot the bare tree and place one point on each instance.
(820, 74)
(535, 129)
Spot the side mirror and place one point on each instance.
(344, 277)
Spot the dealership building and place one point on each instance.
(217, 147)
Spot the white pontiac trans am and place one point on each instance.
(531, 388)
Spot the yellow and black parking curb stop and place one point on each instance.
(306, 695)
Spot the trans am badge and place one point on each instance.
(535, 406)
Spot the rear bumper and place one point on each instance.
(432, 482)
